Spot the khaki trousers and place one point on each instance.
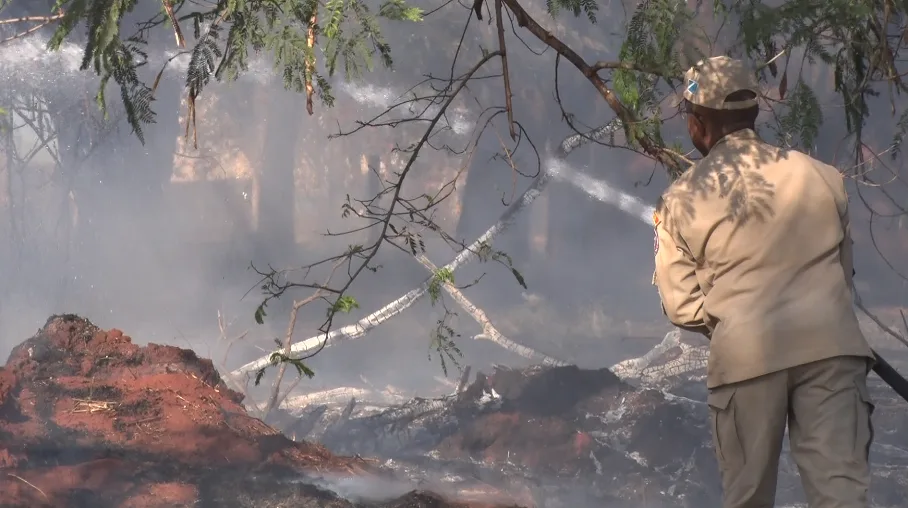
(827, 408)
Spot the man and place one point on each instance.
(753, 250)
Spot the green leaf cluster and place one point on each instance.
(857, 39)
(343, 33)
(653, 35)
(443, 343)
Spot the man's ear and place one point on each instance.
(695, 125)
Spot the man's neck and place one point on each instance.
(723, 134)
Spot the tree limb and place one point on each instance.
(489, 332)
(471, 252)
(627, 116)
(358, 329)
(30, 19)
(880, 323)
(275, 398)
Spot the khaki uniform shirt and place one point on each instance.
(753, 247)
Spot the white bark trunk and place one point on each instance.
(489, 332)
(358, 329)
(553, 166)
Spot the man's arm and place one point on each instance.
(676, 278)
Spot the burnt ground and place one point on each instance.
(553, 437)
(573, 438)
(89, 419)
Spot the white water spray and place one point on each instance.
(602, 191)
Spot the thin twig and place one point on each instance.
(504, 70)
(489, 332)
(226, 375)
(30, 484)
(879, 323)
(26, 32)
(773, 59)
(274, 399)
(30, 19)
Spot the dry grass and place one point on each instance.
(93, 406)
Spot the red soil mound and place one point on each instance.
(87, 418)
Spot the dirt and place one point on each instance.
(89, 419)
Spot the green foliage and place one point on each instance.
(278, 358)
(576, 7)
(345, 304)
(850, 36)
(399, 10)
(486, 253)
(349, 36)
(802, 118)
(109, 56)
(443, 342)
(441, 277)
(899, 137)
(653, 34)
(260, 314)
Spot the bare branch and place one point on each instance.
(275, 398)
(504, 70)
(489, 332)
(31, 19)
(627, 117)
(880, 323)
(361, 327)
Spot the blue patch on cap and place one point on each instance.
(692, 87)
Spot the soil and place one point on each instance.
(89, 419)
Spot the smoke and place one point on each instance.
(162, 268)
(359, 488)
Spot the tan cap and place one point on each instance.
(709, 82)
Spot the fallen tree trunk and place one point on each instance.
(342, 395)
(356, 330)
(359, 329)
